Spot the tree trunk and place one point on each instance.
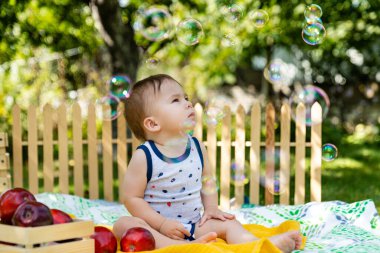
(117, 36)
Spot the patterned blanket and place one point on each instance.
(333, 226)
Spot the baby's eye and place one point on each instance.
(175, 100)
(186, 98)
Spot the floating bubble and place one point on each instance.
(239, 173)
(120, 86)
(189, 31)
(155, 23)
(274, 186)
(313, 12)
(188, 126)
(229, 40)
(233, 12)
(108, 108)
(274, 71)
(313, 33)
(213, 113)
(209, 185)
(259, 18)
(316, 20)
(152, 62)
(329, 152)
(279, 75)
(309, 95)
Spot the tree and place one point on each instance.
(118, 36)
(232, 51)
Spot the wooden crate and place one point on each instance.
(28, 238)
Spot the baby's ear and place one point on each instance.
(151, 125)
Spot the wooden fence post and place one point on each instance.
(269, 154)
(316, 154)
(78, 150)
(5, 177)
(32, 149)
(18, 177)
(254, 191)
(285, 155)
(63, 153)
(299, 197)
(240, 170)
(225, 165)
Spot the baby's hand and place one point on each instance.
(173, 229)
(215, 213)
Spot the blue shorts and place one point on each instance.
(191, 229)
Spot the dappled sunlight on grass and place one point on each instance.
(343, 163)
(354, 175)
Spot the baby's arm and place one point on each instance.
(210, 200)
(133, 189)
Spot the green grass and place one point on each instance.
(354, 175)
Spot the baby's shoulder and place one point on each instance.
(138, 160)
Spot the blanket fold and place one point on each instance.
(262, 245)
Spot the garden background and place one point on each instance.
(67, 51)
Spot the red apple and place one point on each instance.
(105, 240)
(10, 200)
(137, 239)
(32, 214)
(60, 217)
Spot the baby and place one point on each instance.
(162, 188)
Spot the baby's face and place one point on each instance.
(172, 108)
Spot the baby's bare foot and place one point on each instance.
(287, 242)
(209, 237)
(298, 242)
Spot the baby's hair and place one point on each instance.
(136, 105)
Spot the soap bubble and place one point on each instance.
(108, 108)
(275, 71)
(279, 74)
(233, 12)
(240, 173)
(309, 95)
(120, 86)
(189, 31)
(274, 185)
(316, 20)
(313, 33)
(155, 23)
(313, 12)
(259, 18)
(329, 152)
(213, 113)
(209, 185)
(188, 126)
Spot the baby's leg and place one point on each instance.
(233, 232)
(125, 223)
(230, 230)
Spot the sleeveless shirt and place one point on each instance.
(174, 184)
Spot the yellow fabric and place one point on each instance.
(262, 245)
